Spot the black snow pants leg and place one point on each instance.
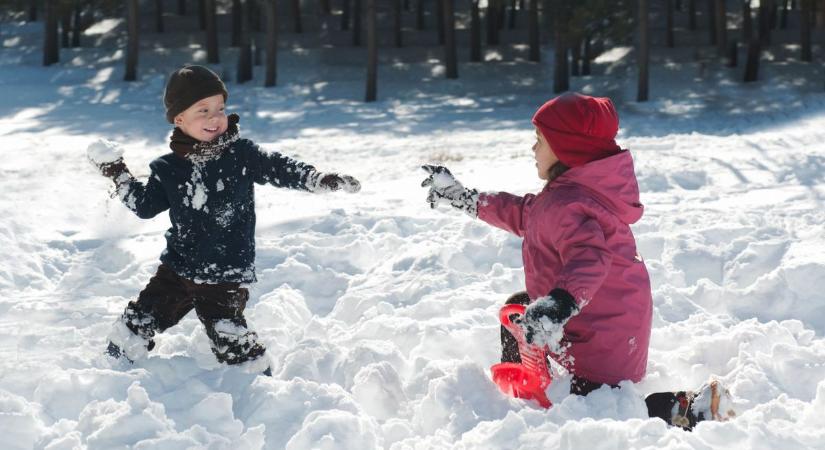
(169, 297)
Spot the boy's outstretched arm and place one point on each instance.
(282, 171)
(145, 200)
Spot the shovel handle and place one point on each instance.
(510, 310)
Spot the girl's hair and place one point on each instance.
(555, 171)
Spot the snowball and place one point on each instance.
(103, 151)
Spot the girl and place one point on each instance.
(582, 270)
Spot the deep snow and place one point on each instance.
(380, 314)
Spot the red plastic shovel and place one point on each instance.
(528, 379)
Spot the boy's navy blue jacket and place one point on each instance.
(211, 204)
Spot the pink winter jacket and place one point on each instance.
(577, 237)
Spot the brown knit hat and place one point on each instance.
(189, 84)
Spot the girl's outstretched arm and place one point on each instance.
(503, 210)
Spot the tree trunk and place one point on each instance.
(439, 20)
(691, 15)
(805, 21)
(237, 23)
(159, 16)
(511, 19)
(181, 7)
(721, 28)
(450, 52)
(764, 24)
(77, 25)
(51, 42)
(32, 10)
(245, 55)
(711, 13)
(783, 17)
(132, 44)
(733, 53)
(271, 78)
(501, 14)
(644, 44)
(752, 61)
(65, 25)
(492, 22)
(533, 31)
(561, 76)
(475, 32)
(399, 36)
(575, 58)
(747, 21)
(356, 23)
(419, 14)
(202, 14)
(588, 56)
(372, 52)
(326, 8)
(212, 53)
(297, 25)
(669, 41)
(345, 14)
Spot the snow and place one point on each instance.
(380, 314)
(103, 151)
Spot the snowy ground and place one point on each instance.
(379, 313)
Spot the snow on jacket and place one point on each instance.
(211, 205)
(577, 237)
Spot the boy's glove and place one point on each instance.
(444, 188)
(548, 315)
(329, 182)
(107, 157)
(113, 169)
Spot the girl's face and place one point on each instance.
(205, 120)
(545, 158)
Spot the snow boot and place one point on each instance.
(687, 408)
(116, 353)
(529, 378)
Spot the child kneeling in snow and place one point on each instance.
(586, 283)
(206, 183)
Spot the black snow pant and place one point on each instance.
(661, 404)
(169, 297)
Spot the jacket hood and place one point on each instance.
(612, 180)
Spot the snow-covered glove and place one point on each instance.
(544, 319)
(107, 157)
(329, 182)
(444, 188)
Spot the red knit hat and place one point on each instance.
(579, 128)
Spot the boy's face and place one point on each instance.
(205, 120)
(545, 158)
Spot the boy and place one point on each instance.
(206, 183)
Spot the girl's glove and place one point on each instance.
(545, 318)
(444, 188)
(329, 182)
